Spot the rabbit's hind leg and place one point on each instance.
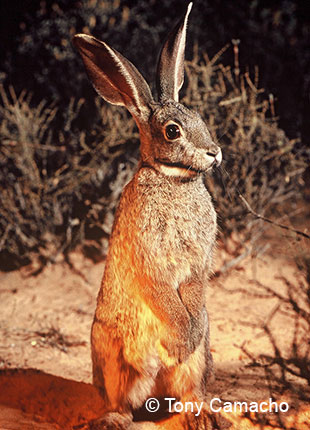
(112, 375)
(188, 377)
(121, 385)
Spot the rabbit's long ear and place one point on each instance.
(114, 77)
(170, 69)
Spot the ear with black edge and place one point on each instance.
(170, 69)
(114, 77)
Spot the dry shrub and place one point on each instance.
(60, 188)
(274, 35)
(260, 162)
(57, 191)
(287, 367)
(295, 304)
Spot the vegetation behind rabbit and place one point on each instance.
(150, 335)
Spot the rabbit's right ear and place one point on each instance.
(170, 68)
(114, 77)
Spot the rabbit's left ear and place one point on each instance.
(170, 69)
(114, 77)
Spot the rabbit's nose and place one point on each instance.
(217, 154)
(218, 157)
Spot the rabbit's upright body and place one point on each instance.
(151, 306)
(150, 335)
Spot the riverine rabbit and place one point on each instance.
(150, 334)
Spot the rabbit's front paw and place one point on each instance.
(177, 349)
(196, 332)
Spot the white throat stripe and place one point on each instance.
(176, 171)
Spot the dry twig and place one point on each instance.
(258, 216)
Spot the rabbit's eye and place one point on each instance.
(172, 132)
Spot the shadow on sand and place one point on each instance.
(29, 399)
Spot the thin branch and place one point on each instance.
(248, 207)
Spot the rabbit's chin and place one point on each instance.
(177, 169)
(181, 170)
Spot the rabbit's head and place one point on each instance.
(174, 140)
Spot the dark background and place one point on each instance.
(274, 35)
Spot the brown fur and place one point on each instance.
(150, 335)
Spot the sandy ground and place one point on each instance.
(45, 325)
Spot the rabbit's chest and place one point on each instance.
(186, 223)
(175, 230)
